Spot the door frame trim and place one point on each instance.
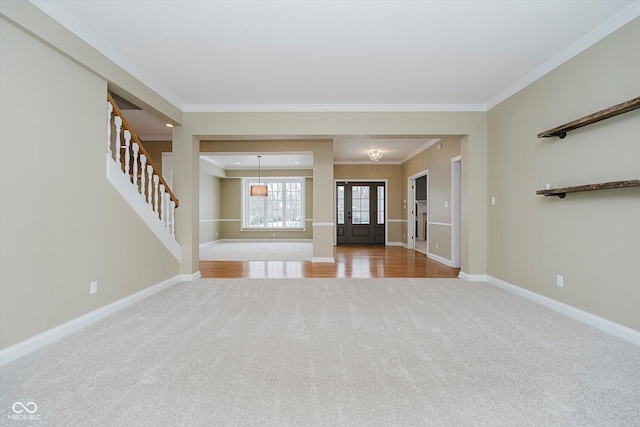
(386, 205)
(411, 195)
(456, 211)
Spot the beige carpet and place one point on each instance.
(257, 251)
(321, 352)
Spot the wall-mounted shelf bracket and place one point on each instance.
(561, 131)
(560, 195)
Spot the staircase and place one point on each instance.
(135, 176)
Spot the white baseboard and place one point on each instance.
(323, 259)
(605, 325)
(190, 277)
(404, 245)
(472, 277)
(394, 244)
(16, 351)
(440, 259)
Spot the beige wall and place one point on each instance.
(391, 173)
(186, 185)
(591, 238)
(440, 241)
(63, 225)
(437, 161)
(155, 150)
(210, 190)
(210, 202)
(231, 196)
(41, 26)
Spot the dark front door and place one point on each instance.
(360, 213)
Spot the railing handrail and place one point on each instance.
(137, 140)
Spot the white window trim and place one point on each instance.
(245, 195)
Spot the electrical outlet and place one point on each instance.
(560, 281)
(493, 200)
(216, 234)
(436, 245)
(404, 236)
(274, 234)
(93, 288)
(446, 203)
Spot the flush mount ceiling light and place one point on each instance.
(375, 155)
(258, 190)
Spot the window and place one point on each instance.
(381, 204)
(340, 204)
(360, 200)
(282, 208)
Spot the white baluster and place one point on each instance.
(143, 175)
(149, 184)
(162, 209)
(109, 114)
(127, 153)
(172, 212)
(118, 121)
(165, 210)
(136, 150)
(156, 200)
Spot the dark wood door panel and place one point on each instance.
(357, 213)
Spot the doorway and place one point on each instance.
(360, 213)
(420, 210)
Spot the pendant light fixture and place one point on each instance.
(259, 190)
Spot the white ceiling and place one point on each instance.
(432, 55)
(243, 161)
(147, 126)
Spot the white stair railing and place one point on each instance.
(125, 149)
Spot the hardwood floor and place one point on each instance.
(351, 261)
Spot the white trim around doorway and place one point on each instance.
(386, 205)
(456, 211)
(410, 205)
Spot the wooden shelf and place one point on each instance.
(561, 131)
(562, 192)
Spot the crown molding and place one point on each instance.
(70, 23)
(338, 108)
(624, 17)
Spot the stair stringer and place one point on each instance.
(128, 191)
